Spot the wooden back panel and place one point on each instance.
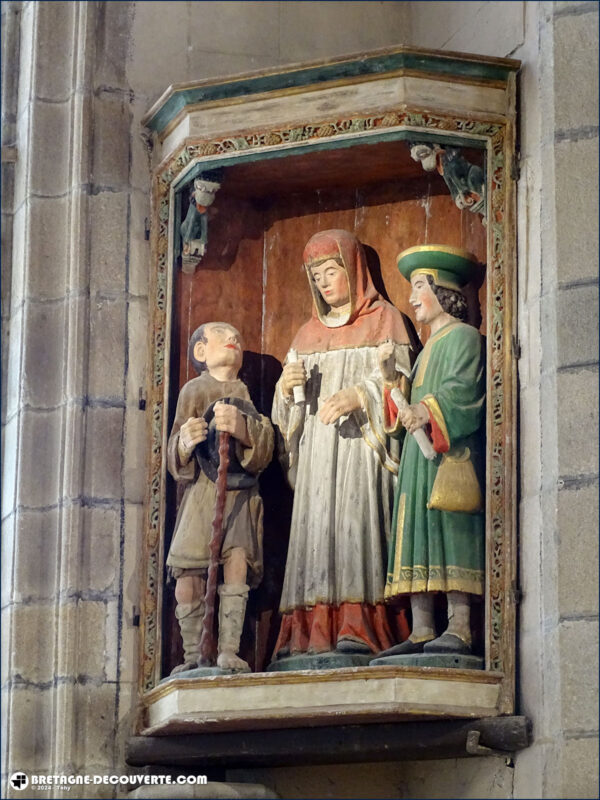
(252, 276)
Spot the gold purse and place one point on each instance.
(456, 487)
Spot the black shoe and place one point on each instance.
(352, 646)
(448, 643)
(406, 648)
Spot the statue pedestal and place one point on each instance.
(199, 672)
(299, 697)
(331, 660)
(440, 660)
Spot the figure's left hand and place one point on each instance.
(230, 419)
(340, 403)
(414, 417)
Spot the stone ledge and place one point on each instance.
(332, 744)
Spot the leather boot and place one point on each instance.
(232, 610)
(190, 617)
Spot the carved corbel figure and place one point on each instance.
(465, 181)
(194, 228)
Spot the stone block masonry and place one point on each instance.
(68, 365)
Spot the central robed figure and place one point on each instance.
(339, 460)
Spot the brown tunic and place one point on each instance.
(243, 517)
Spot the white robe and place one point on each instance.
(344, 477)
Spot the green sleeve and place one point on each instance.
(461, 390)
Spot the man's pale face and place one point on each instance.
(223, 347)
(332, 282)
(422, 298)
(204, 192)
(426, 155)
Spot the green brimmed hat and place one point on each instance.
(451, 267)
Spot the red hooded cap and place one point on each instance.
(370, 320)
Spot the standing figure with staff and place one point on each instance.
(218, 446)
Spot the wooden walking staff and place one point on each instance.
(207, 640)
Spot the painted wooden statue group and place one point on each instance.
(385, 458)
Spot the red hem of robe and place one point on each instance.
(319, 628)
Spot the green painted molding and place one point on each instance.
(430, 62)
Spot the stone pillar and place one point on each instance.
(575, 290)
(71, 401)
(558, 371)
(10, 56)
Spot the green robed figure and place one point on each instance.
(438, 542)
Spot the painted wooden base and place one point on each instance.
(440, 660)
(199, 672)
(318, 697)
(319, 661)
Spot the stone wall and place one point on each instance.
(70, 512)
(74, 319)
(567, 726)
